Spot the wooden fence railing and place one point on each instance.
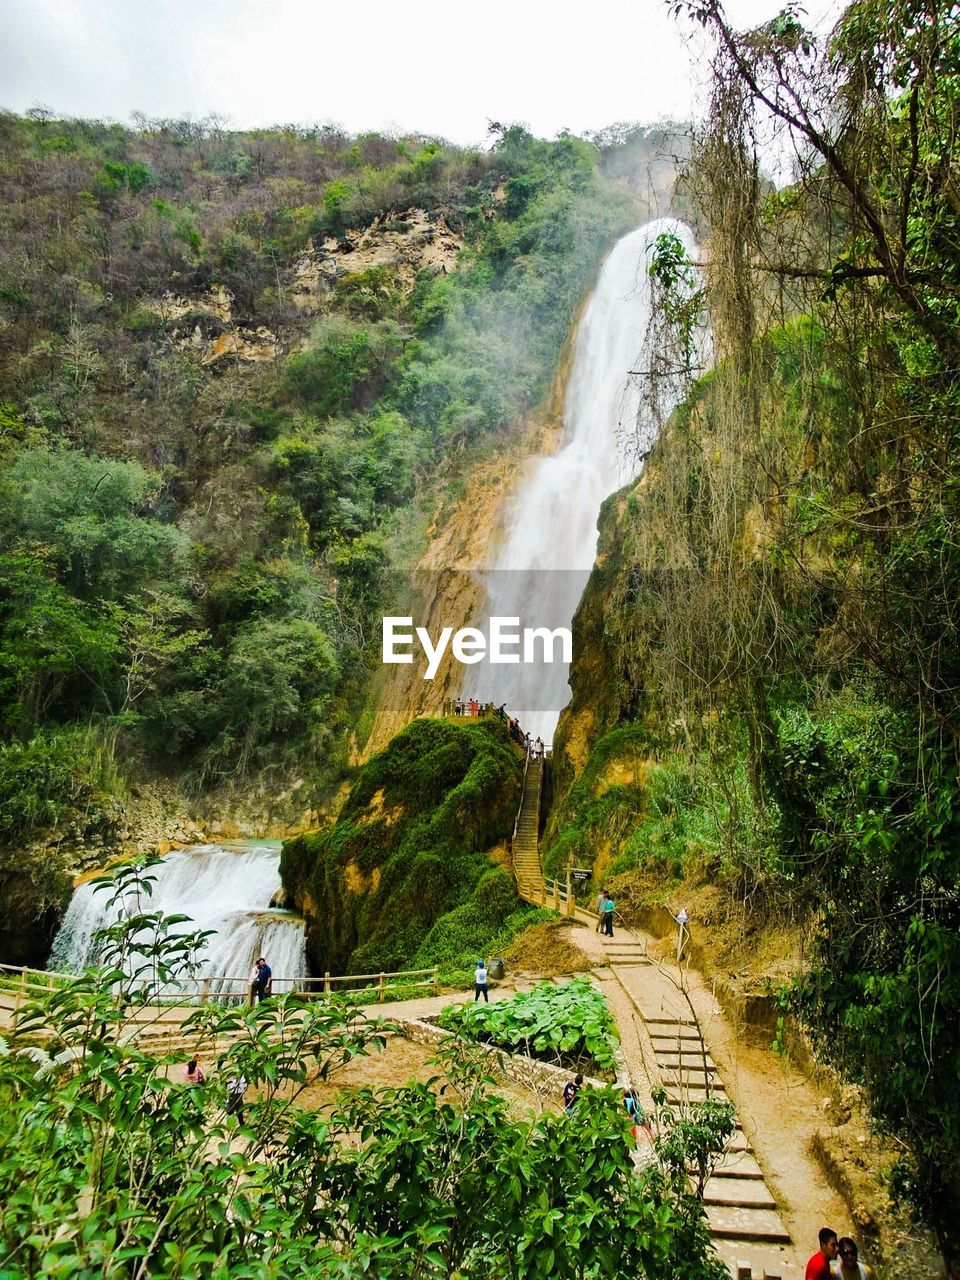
(19, 983)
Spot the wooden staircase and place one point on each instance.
(526, 835)
(531, 884)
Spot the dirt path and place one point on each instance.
(778, 1108)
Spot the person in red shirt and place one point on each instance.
(818, 1268)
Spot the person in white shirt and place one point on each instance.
(480, 982)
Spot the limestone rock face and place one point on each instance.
(406, 243)
(207, 325)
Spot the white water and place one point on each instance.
(550, 545)
(225, 889)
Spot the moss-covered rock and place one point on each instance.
(408, 858)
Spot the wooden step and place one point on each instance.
(759, 1260)
(684, 1060)
(738, 1165)
(738, 1193)
(762, 1225)
(697, 1080)
(687, 1097)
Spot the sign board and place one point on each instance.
(580, 874)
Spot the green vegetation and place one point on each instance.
(404, 877)
(776, 630)
(569, 1023)
(131, 1171)
(207, 477)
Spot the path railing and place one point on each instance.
(19, 984)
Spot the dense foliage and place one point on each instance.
(777, 624)
(206, 471)
(404, 876)
(569, 1022)
(134, 1173)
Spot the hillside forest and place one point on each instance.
(240, 376)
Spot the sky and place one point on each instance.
(423, 66)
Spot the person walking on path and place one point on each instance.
(570, 1091)
(480, 983)
(193, 1072)
(638, 1119)
(263, 985)
(608, 915)
(848, 1266)
(818, 1268)
(236, 1088)
(601, 903)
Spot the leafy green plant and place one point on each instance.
(568, 1020)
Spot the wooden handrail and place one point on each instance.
(202, 985)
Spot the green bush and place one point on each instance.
(342, 358)
(93, 515)
(58, 654)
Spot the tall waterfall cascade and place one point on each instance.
(550, 534)
(224, 889)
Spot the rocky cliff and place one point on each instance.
(411, 872)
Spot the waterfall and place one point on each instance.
(226, 889)
(547, 552)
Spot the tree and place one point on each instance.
(57, 654)
(92, 514)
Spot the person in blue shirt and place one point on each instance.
(264, 983)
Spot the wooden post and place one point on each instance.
(571, 903)
(205, 991)
(380, 992)
(556, 896)
(436, 979)
(20, 999)
(326, 983)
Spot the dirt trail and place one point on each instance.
(778, 1108)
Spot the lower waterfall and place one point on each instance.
(227, 889)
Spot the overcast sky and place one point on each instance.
(427, 66)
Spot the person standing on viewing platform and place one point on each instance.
(263, 986)
(600, 904)
(480, 983)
